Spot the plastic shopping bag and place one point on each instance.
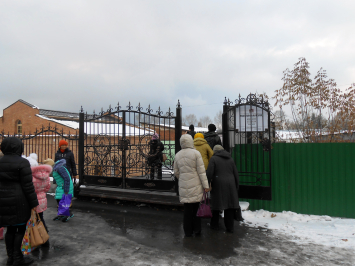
(64, 204)
(26, 247)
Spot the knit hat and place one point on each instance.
(155, 136)
(217, 148)
(33, 159)
(62, 142)
(48, 161)
(199, 135)
(211, 127)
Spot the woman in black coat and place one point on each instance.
(17, 198)
(223, 176)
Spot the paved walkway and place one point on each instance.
(116, 234)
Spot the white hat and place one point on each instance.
(33, 159)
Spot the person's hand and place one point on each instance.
(207, 190)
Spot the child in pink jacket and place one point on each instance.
(42, 184)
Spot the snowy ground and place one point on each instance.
(305, 229)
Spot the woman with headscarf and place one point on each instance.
(223, 176)
(17, 198)
(189, 169)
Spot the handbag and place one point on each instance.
(204, 210)
(38, 233)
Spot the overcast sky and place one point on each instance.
(61, 55)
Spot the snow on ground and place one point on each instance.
(302, 228)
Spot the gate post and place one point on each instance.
(178, 130)
(225, 128)
(81, 146)
(123, 149)
(178, 133)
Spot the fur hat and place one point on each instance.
(217, 148)
(33, 159)
(199, 135)
(155, 136)
(48, 161)
(62, 142)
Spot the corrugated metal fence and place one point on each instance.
(311, 178)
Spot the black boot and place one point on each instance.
(9, 241)
(19, 259)
(238, 215)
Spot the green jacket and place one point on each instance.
(62, 177)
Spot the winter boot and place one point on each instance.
(9, 241)
(238, 215)
(67, 218)
(59, 217)
(19, 259)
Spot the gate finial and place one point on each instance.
(178, 104)
(81, 109)
(118, 107)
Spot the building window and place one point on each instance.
(19, 127)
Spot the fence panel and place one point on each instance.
(311, 178)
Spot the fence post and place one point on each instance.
(81, 146)
(225, 134)
(123, 149)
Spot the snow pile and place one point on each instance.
(323, 230)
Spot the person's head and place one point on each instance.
(48, 161)
(217, 148)
(191, 127)
(12, 145)
(63, 144)
(33, 159)
(155, 137)
(186, 141)
(199, 135)
(211, 128)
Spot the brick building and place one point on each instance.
(24, 118)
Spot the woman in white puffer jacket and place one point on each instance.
(190, 170)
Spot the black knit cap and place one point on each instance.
(211, 127)
(191, 127)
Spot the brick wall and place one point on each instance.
(30, 122)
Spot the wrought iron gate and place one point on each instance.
(116, 147)
(247, 135)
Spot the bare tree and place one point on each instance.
(189, 120)
(218, 119)
(316, 107)
(205, 121)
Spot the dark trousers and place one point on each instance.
(192, 223)
(228, 219)
(69, 208)
(13, 240)
(160, 171)
(42, 219)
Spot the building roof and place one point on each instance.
(24, 102)
(197, 129)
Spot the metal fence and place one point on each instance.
(311, 178)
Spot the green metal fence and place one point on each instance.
(311, 178)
